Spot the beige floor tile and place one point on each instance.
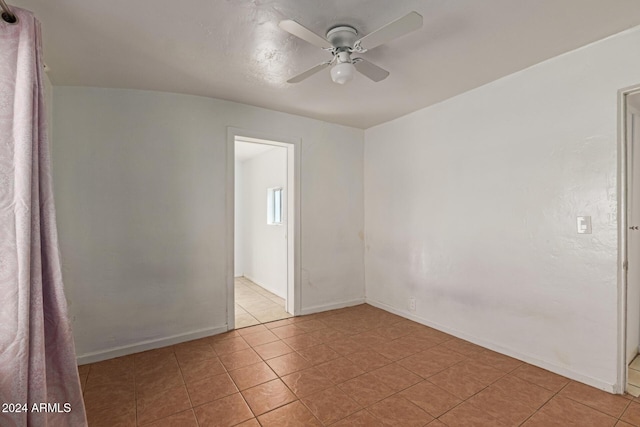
(257, 289)
(252, 299)
(271, 314)
(242, 299)
(245, 319)
(633, 390)
(259, 305)
(263, 292)
(634, 377)
(277, 300)
(255, 305)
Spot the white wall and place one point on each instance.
(264, 256)
(140, 185)
(471, 207)
(238, 236)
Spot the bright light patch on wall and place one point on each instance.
(274, 206)
(268, 61)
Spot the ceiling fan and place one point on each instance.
(342, 41)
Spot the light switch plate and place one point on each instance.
(584, 224)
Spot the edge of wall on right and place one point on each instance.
(471, 206)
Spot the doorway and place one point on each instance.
(263, 232)
(260, 241)
(632, 234)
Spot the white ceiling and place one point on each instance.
(248, 150)
(234, 50)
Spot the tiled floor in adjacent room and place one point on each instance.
(255, 305)
(359, 366)
(633, 382)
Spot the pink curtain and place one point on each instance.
(37, 354)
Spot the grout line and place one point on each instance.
(625, 410)
(184, 382)
(547, 401)
(589, 406)
(135, 390)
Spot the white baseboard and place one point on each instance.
(110, 353)
(560, 370)
(332, 306)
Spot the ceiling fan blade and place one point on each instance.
(393, 30)
(311, 71)
(370, 70)
(304, 33)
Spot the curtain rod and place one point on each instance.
(7, 14)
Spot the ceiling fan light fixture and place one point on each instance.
(342, 40)
(343, 72)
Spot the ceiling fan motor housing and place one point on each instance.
(342, 36)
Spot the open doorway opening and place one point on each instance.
(632, 231)
(262, 255)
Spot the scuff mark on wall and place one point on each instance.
(306, 279)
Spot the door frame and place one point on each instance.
(294, 265)
(623, 177)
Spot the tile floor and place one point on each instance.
(358, 366)
(633, 381)
(255, 305)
